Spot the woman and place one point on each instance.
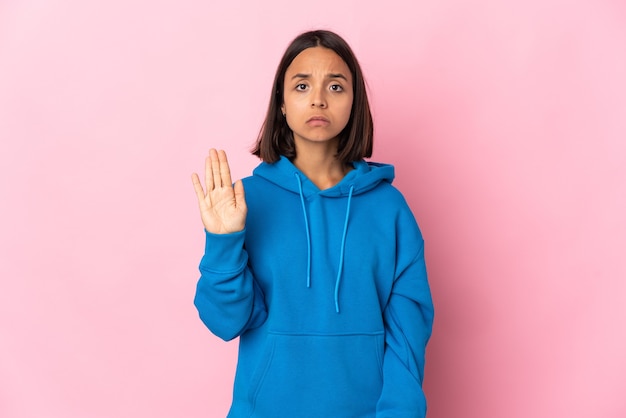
(316, 261)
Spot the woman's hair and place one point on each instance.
(356, 139)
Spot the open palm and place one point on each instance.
(222, 206)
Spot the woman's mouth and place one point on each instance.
(317, 121)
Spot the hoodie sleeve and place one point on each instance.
(408, 319)
(228, 299)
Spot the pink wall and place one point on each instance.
(506, 121)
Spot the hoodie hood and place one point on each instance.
(364, 177)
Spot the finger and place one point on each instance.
(195, 179)
(208, 173)
(215, 168)
(240, 196)
(224, 168)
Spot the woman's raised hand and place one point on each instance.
(223, 206)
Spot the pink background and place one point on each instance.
(506, 121)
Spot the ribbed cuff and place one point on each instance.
(223, 253)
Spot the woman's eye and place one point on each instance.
(301, 87)
(336, 87)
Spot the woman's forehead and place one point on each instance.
(318, 61)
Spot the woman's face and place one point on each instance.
(317, 101)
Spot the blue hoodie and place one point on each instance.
(327, 290)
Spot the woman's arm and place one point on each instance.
(408, 319)
(227, 297)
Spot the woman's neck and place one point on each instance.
(320, 165)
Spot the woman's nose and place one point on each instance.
(318, 100)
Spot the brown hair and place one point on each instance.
(356, 139)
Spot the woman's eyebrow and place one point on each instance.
(331, 75)
(337, 75)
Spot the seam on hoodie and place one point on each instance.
(334, 334)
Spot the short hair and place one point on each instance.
(355, 140)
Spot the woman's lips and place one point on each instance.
(317, 121)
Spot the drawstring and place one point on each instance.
(308, 241)
(343, 247)
(308, 234)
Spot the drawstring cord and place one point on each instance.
(308, 234)
(343, 247)
(308, 241)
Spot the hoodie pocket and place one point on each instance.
(318, 375)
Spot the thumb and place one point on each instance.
(240, 196)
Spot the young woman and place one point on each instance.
(318, 266)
